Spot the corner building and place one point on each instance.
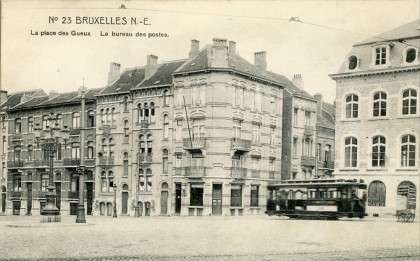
(378, 119)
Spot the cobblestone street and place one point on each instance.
(208, 238)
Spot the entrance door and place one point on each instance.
(29, 199)
(178, 199)
(89, 197)
(124, 203)
(16, 208)
(3, 200)
(217, 199)
(58, 195)
(109, 209)
(164, 203)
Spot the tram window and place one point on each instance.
(312, 194)
(322, 194)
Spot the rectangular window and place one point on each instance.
(256, 133)
(18, 126)
(30, 152)
(75, 151)
(380, 55)
(178, 160)
(236, 196)
(295, 116)
(76, 120)
(254, 195)
(295, 147)
(74, 185)
(178, 130)
(30, 124)
(319, 151)
(198, 129)
(196, 197)
(237, 129)
(165, 165)
(104, 187)
(44, 182)
(125, 163)
(272, 136)
(307, 118)
(4, 144)
(17, 183)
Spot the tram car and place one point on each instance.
(317, 199)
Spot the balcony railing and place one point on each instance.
(195, 171)
(196, 143)
(145, 157)
(308, 131)
(71, 162)
(73, 194)
(308, 161)
(329, 164)
(41, 163)
(240, 144)
(15, 164)
(272, 174)
(144, 124)
(255, 173)
(238, 173)
(178, 171)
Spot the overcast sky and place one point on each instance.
(310, 48)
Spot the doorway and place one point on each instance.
(58, 195)
(89, 197)
(29, 199)
(217, 199)
(178, 190)
(16, 208)
(124, 203)
(3, 199)
(164, 199)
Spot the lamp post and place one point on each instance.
(136, 205)
(81, 168)
(115, 201)
(50, 144)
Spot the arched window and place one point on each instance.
(126, 131)
(350, 151)
(107, 116)
(140, 112)
(352, 106)
(352, 62)
(409, 102)
(90, 150)
(379, 104)
(142, 180)
(165, 126)
(45, 124)
(377, 194)
(111, 145)
(406, 192)
(114, 115)
(30, 124)
(125, 163)
(59, 120)
(18, 125)
(146, 112)
(152, 112)
(411, 55)
(125, 103)
(76, 120)
(378, 151)
(142, 144)
(149, 144)
(408, 151)
(165, 161)
(165, 186)
(75, 150)
(103, 117)
(165, 98)
(125, 187)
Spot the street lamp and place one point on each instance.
(136, 205)
(50, 144)
(115, 201)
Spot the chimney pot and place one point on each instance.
(298, 81)
(260, 60)
(151, 66)
(195, 48)
(114, 72)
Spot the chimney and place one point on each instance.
(219, 53)
(298, 81)
(232, 47)
(25, 97)
(114, 72)
(3, 96)
(260, 60)
(151, 66)
(195, 47)
(51, 94)
(318, 98)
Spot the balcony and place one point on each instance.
(308, 131)
(145, 158)
(144, 124)
(238, 173)
(41, 163)
(195, 171)
(104, 160)
(272, 174)
(240, 144)
(328, 164)
(73, 195)
(196, 143)
(255, 173)
(71, 162)
(178, 171)
(74, 132)
(15, 164)
(16, 194)
(308, 161)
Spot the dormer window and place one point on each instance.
(352, 62)
(410, 56)
(380, 55)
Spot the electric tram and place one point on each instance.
(317, 199)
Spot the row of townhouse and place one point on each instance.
(378, 118)
(198, 136)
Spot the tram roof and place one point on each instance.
(318, 182)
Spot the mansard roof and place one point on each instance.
(163, 75)
(14, 99)
(128, 79)
(406, 31)
(56, 99)
(289, 86)
(235, 63)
